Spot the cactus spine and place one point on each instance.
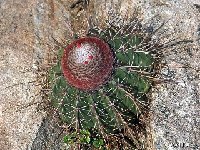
(111, 111)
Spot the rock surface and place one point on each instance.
(176, 107)
(18, 121)
(30, 32)
(26, 29)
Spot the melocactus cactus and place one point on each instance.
(94, 93)
(87, 63)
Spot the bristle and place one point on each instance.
(110, 109)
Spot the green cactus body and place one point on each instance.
(114, 106)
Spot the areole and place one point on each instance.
(91, 102)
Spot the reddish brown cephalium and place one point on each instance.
(87, 63)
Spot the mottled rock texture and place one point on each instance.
(176, 107)
(29, 35)
(26, 29)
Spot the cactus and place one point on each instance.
(110, 108)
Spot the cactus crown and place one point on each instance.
(112, 112)
(87, 63)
